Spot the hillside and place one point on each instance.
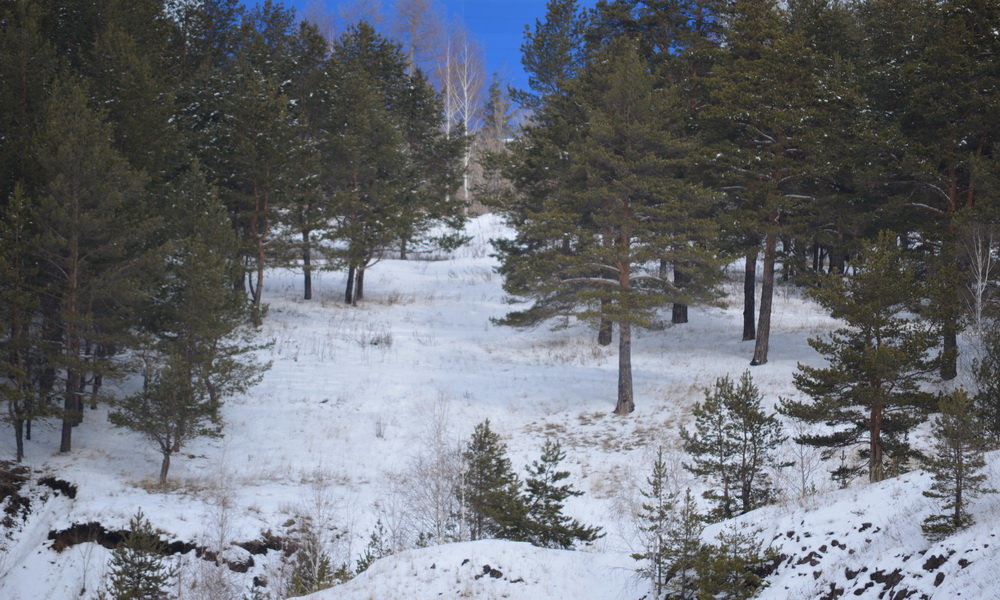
(356, 396)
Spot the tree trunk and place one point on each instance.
(679, 311)
(359, 284)
(71, 414)
(402, 248)
(626, 402)
(19, 438)
(750, 295)
(307, 280)
(604, 330)
(349, 293)
(949, 350)
(766, 298)
(876, 471)
(164, 468)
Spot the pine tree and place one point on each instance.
(765, 97)
(200, 346)
(377, 548)
(490, 492)
(732, 445)
(138, 569)
(956, 463)
(655, 515)
(312, 567)
(986, 372)
(619, 201)
(91, 225)
(544, 498)
(870, 393)
(733, 568)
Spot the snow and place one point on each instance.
(355, 393)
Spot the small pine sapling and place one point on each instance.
(956, 465)
(138, 569)
(654, 518)
(545, 497)
(377, 548)
(734, 568)
(312, 567)
(732, 445)
(490, 491)
(683, 549)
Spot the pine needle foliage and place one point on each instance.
(138, 569)
(956, 463)
(734, 568)
(545, 496)
(490, 489)
(732, 445)
(870, 394)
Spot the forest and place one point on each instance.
(161, 159)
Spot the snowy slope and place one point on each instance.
(355, 395)
(492, 569)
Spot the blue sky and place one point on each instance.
(497, 24)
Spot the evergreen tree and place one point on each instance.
(655, 515)
(765, 99)
(986, 372)
(490, 492)
(312, 567)
(377, 548)
(392, 171)
(732, 445)
(544, 498)
(620, 201)
(552, 53)
(199, 353)
(20, 303)
(138, 569)
(734, 567)
(956, 463)
(871, 391)
(91, 225)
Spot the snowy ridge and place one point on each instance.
(491, 569)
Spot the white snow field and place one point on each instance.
(357, 395)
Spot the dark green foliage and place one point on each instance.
(734, 567)
(90, 222)
(602, 196)
(956, 462)
(986, 371)
(671, 536)
(870, 394)
(199, 345)
(377, 548)
(138, 569)
(391, 172)
(545, 494)
(732, 446)
(312, 567)
(490, 490)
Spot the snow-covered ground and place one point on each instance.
(356, 395)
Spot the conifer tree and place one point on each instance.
(733, 568)
(956, 463)
(655, 515)
(200, 340)
(312, 567)
(870, 394)
(544, 499)
(20, 303)
(138, 569)
(377, 548)
(620, 201)
(732, 445)
(91, 223)
(490, 490)
(764, 99)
